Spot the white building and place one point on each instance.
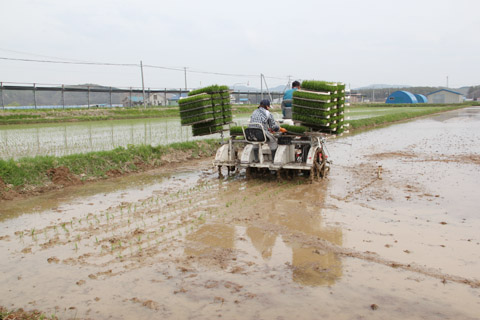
(156, 99)
(445, 96)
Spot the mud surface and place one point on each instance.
(392, 234)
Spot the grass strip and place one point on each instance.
(389, 118)
(32, 171)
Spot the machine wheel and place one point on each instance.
(319, 167)
(251, 172)
(220, 175)
(230, 169)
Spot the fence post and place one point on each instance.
(35, 95)
(88, 97)
(63, 96)
(3, 102)
(148, 96)
(143, 85)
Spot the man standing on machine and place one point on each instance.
(287, 100)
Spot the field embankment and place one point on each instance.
(26, 116)
(43, 173)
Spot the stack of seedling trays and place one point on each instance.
(207, 110)
(320, 105)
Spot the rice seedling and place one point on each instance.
(64, 227)
(294, 129)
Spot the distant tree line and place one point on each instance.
(474, 93)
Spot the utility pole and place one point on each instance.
(185, 70)
(3, 101)
(261, 86)
(447, 81)
(35, 95)
(143, 85)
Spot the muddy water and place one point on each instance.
(392, 234)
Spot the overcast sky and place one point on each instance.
(410, 42)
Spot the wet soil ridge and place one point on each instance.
(28, 176)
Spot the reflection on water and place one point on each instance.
(310, 266)
(209, 242)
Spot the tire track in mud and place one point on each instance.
(326, 246)
(134, 235)
(317, 243)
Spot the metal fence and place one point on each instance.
(35, 96)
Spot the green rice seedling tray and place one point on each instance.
(197, 119)
(236, 131)
(193, 99)
(295, 129)
(322, 86)
(210, 90)
(206, 130)
(313, 104)
(311, 121)
(309, 95)
(307, 112)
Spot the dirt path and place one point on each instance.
(392, 234)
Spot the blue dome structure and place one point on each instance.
(421, 98)
(401, 97)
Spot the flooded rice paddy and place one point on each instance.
(17, 141)
(391, 234)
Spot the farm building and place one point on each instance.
(445, 96)
(401, 97)
(128, 101)
(156, 99)
(420, 98)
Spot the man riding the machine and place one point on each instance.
(262, 116)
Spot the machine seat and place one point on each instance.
(255, 135)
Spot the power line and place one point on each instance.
(137, 65)
(72, 62)
(38, 55)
